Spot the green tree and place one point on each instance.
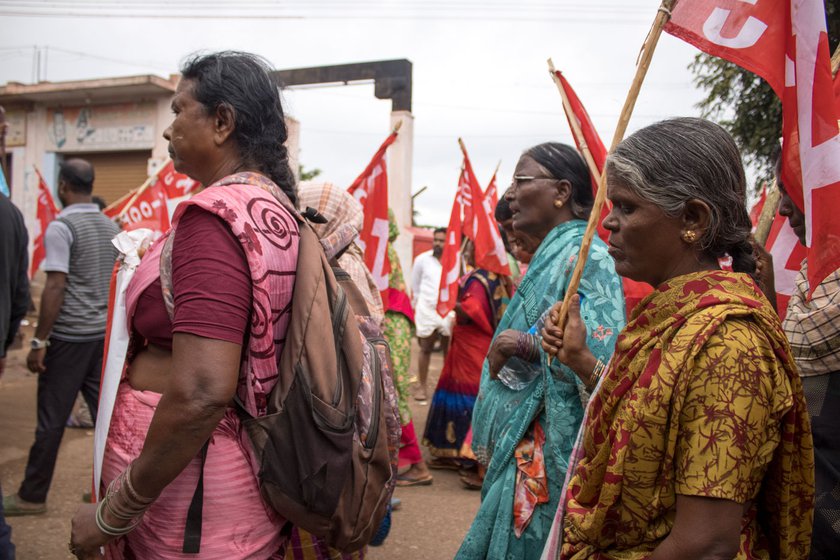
(745, 104)
(308, 174)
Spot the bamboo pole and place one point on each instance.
(624, 119)
(143, 188)
(835, 61)
(577, 132)
(121, 199)
(768, 214)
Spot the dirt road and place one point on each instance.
(430, 524)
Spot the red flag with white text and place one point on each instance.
(634, 292)
(492, 193)
(465, 196)
(785, 43)
(371, 190)
(147, 210)
(450, 261)
(45, 213)
(490, 253)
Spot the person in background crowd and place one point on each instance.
(14, 301)
(398, 330)
(696, 442)
(69, 339)
(522, 245)
(812, 326)
(233, 253)
(482, 299)
(431, 327)
(504, 217)
(528, 411)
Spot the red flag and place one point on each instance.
(174, 184)
(786, 44)
(450, 261)
(148, 209)
(465, 199)
(634, 292)
(490, 251)
(371, 190)
(46, 212)
(591, 140)
(492, 193)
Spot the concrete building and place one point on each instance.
(115, 123)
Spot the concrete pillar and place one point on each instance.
(399, 184)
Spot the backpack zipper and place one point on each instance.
(373, 433)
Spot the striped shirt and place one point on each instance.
(78, 243)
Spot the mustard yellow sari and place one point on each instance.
(701, 398)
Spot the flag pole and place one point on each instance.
(143, 187)
(121, 199)
(768, 214)
(662, 16)
(575, 125)
(835, 61)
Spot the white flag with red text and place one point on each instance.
(371, 190)
(45, 213)
(786, 43)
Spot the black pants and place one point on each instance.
(7, 549)
(70, 367)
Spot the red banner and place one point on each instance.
(634, 292)
(491, 195)
(490, 251)
(174, 184)
(45, 213)
(786, 44)
(147, 210)
(371, 190)
(450, 261)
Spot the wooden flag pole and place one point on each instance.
(768, 214)
(835, 61)
(121, 199)
(648, 48)
(575, 125)
(143, 187)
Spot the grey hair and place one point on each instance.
(673, 161)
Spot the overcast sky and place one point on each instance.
(479, 68)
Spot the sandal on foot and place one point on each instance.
(403, 480)
(13, 506)
(443, 464)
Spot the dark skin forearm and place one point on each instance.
(51, 300)
(704, 529)
(202, 383)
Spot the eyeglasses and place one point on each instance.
(518, 179)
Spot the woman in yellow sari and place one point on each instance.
(696, 443)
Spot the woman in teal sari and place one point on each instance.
(527, 414)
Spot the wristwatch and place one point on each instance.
(38, 344)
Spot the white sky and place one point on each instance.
(479, 68)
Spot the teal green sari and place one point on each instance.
(502, 416)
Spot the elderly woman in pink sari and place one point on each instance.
(233, 249)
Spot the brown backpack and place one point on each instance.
(320, 467)
(317, 467)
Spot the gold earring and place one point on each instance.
(689, 236)
(558, 204)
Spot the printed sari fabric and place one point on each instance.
(702, 398)
(483, 296)
(398, 329)
(502, 416)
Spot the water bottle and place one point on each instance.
(517, 374)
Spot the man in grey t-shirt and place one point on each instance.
(69, 340)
